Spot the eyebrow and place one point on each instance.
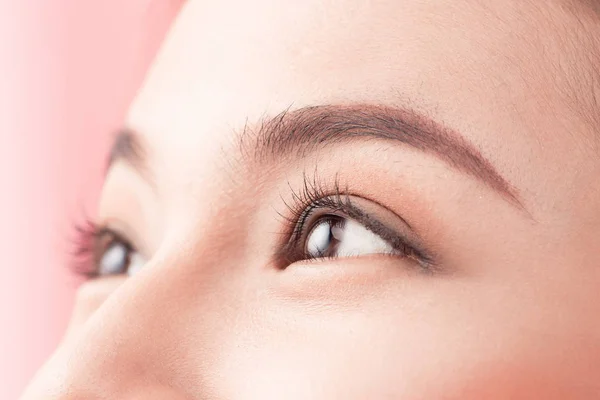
(128, 147)
(305, 130)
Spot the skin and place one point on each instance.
(511, 312)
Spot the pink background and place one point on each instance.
(68, 70)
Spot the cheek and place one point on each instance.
(330, 334)
(418, 340)
(90, 296)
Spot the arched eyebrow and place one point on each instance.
(128, 147)
(299, 132)
(307, 129)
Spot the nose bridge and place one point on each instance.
(152, 335)
(159, 331)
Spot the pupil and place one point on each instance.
(324, 238)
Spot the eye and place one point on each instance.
(114, 256)
(342, 226)
(336, 236)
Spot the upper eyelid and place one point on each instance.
(125, 232)
(315, 192)
(115, 236)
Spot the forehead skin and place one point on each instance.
(511, 76)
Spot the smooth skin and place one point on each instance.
(511, 309)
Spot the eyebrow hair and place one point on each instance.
(129, 148)
(307, 129)
(302, 131)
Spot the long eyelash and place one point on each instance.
(316, 194)
(83, 245)
(313, 194)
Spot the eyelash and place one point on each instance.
(313, 195)
(84, 257)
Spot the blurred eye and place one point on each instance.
(116, 256)
(336, 236)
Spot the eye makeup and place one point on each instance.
(317, 202)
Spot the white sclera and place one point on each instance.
(350, 237)
(319, 239)
(115, 260)
(136, 263)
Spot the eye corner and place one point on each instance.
(94, 242)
